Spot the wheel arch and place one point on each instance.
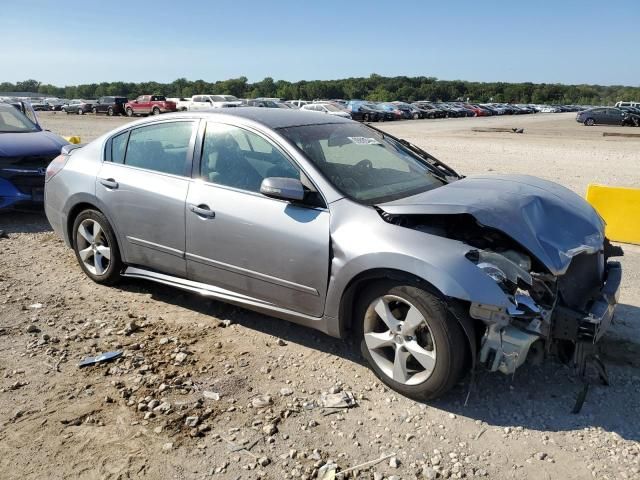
(358, 283)
(80, 206)
(457, 309)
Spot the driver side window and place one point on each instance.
(238, 158)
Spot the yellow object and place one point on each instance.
(620, 208)
(74, 140)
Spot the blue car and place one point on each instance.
(25, 151)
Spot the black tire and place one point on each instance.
(80, 111)
(112, 273)
(94, 111)
(365, 117)
(589, 122)
(155, 111)
(129, 112)
(447, 335)
(110, 112)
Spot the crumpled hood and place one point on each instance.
(30, 143)
(549, 220)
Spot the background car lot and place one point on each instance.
(74, 416)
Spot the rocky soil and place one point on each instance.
(208, 390)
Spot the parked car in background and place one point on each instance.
(205, 102)
(182, 104)
(601, 115)
(297, 103)
(254, 102)
(362, 111)
(149, 105)
(393, 109)
(327, 108)
(39, 104)
(56, 104)
(430, 111)
(25, 152)
(110, 106)
(78, 106)
(340, 227)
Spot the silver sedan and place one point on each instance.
(335, 225)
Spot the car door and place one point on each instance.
(143, 185)
(614, 116)
(242, 241)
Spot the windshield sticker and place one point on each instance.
(364, 141)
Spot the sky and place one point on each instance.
(69, 42)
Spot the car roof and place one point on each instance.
(279, 117)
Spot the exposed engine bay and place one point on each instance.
(558, 314)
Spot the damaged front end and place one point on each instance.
(562, 312)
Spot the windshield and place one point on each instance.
(331, 108)
(362, 163)
(230, 98)
(14, 121)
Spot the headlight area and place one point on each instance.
(512, 331)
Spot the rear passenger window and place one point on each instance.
(118, 147)
(162, 147)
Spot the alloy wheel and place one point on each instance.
(93, 247)
(399, 340)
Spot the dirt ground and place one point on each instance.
(207, 390)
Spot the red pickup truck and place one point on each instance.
(149, 105)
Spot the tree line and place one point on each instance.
(375, 88)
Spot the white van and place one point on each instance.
(628, 104)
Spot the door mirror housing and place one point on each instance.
(283, 188)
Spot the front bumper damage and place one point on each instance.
(510, 333)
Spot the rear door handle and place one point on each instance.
(202, 211)
(109, 183)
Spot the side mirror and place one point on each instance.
(282, 188)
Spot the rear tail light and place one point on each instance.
(55, 166)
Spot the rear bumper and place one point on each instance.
(576, 326)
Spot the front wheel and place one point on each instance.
(155, 111)
(409, 340)
(129, 112)
(110, 112)
(95, 247)
(589, 122)
(94, 111)
(80, 111)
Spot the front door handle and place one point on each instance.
(109, 183)
(202, 211)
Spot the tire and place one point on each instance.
(94, 111)
(129, 112)
(155, 111)
(99, 259)
(589, 122)
(438, 340)
(110, 112)
(416, 116)
(365, 117)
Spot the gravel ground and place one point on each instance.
(207, 390)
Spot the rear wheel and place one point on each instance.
(110, 112)
(80, 111)
(94, 111)
(96, 249)
(155, 111)
(416, 116)
(589, 122)
(409, 340)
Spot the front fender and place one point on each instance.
(373, 244)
